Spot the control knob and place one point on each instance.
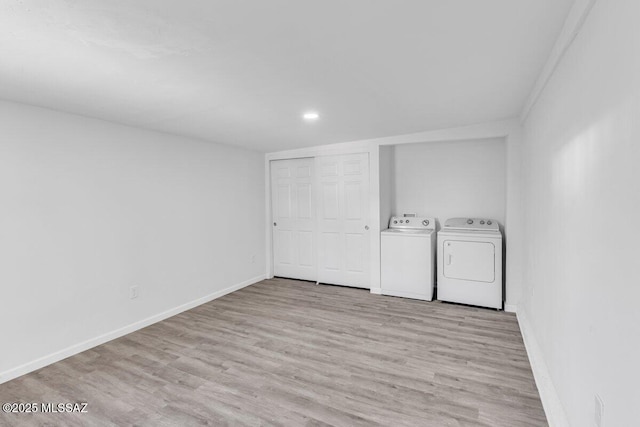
(469, 221)
(425, 222)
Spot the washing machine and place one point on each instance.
(470, 262)
(408, 257)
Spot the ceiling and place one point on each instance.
(242, 72)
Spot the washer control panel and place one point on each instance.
(412, 223)
(480, 224)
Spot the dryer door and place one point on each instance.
(465, 260)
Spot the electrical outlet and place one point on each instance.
(133, 292)
(599, 412)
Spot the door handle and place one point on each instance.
(449, 257)
(366, 227)
(275, 224)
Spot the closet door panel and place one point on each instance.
(343, 207)
(293, 204)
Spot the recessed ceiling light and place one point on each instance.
(311, 116)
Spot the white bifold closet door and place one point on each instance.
(343, 212)
(293, 204)
(320, 210)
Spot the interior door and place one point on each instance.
(293, 206)
(469, 260)
(343, 225)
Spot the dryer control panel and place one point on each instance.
(479, 224)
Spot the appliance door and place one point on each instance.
(466, 260)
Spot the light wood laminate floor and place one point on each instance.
(284, 352)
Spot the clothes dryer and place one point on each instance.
(470, 262)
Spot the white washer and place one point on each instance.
(408, 257)
(470, 262)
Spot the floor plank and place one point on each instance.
(284, 352)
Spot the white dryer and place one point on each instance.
(470, 262)
(408, 257)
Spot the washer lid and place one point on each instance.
(407, 232)
(471, 224)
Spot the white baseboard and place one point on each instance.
(556, 416)
(377, 291)
(93, 342)
(511, 308)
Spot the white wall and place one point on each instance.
(514, 216)
(451, 179)
(387, 192)
(582, 201)
(90, 208)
